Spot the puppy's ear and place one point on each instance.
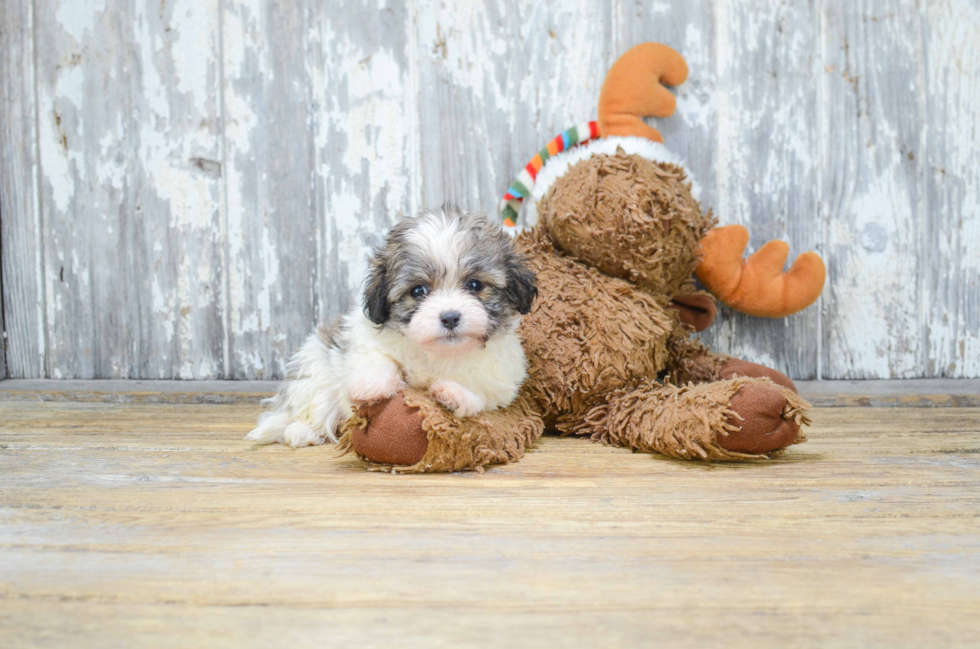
(375, 301)
(522, 285)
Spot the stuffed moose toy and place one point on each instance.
(615, 234)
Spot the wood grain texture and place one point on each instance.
(867, 393)
(269, 158)
(321, 148)
(493, 90)
(134, 525)
(20, 225)
(874, 116)
(129, 139)
(690, 28)
(950, 251)
(3, 337)
(144, 392)
(766, 171)
(364, 114)
(3, 330)
(211, 175)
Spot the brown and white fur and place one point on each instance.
(441, 306)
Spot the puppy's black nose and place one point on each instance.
(450, 319)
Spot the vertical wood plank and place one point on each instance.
(766, 163)
(3, 328)
(951, 247)
(130, 183)
(270, 158)
(364, 117)
(872, 119)
(20, 228)
(494, 89)
(692, 132)
(843, 127)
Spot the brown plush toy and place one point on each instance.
(616, 233)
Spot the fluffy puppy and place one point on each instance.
(441, 306)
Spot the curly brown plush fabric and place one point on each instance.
(686, 422)
(492, 437)
(628, 217)
(691, 361)
(616, 243)
(610, 332)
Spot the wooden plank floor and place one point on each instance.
(154, 524)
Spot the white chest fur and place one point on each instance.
(493, 372)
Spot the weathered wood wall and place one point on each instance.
(188, 185)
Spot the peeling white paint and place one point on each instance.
(953, 88)
(270, 281)
(398, 106)
(240, 122)
(374, 123)
(697, 109)
(458, 39)
(884, 281)
(61, 133)
(78, 18)
(193, 46)
(365, 147)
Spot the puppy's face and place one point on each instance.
(448, 281)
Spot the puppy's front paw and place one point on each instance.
(455, 397)
(298, 434)
(377, 383)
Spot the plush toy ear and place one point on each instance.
(633, 89)
(757, 285)
(522, 286)
(375, 300)
(696, 310)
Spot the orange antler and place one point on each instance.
(633, 89)
(757, 285)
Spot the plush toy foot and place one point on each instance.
(393, 434)
(761, 427)
(743, 418)
(413, 433)
(737, 367)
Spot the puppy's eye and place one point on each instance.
(419, 292)
(474, 285)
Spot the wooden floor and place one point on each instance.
(153, 524)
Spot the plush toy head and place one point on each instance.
(629, 217)
(626, 205)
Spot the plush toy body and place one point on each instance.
(617, 236)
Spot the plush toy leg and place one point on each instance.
(734, 419)
(734, 367)
(411, 433)
(691, 362)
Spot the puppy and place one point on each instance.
(441, 306)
